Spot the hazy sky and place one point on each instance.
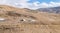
(31, 4)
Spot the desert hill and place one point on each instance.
(50, 9)
(22, 20)
(39, 17)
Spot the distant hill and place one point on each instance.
(51, 10)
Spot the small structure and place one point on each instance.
(22, 20)
(29, 20)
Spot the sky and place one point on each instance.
(31, 4)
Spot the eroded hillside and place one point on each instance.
(19, 20)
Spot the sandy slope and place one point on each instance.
(22, 21)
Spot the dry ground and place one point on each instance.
(44, 22)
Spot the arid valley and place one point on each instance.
(22, 20)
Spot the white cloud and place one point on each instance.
(45, 5)
(25, 4)
(54, 4)
(18, 3)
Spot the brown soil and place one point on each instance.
(14, 23)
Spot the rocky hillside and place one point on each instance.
(19, 20)
(50, 10)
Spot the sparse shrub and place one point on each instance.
(5, 28)
(33, 11)
(32, 17)
(1, 7)
(13, 13)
